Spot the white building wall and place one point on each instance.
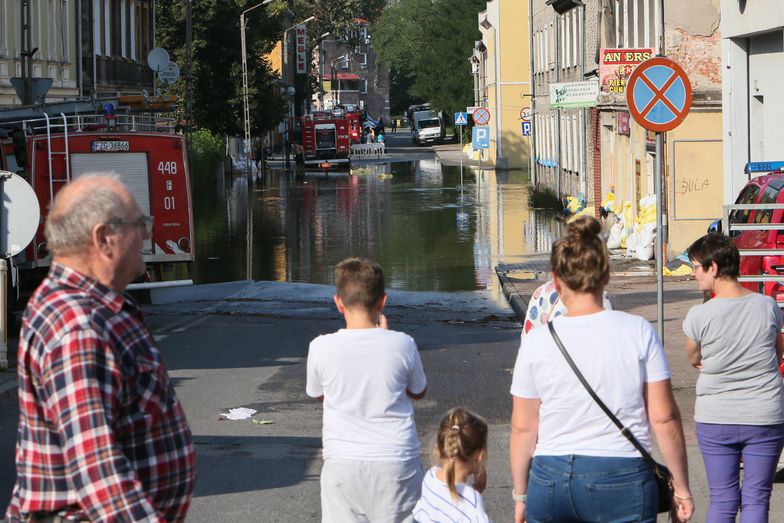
(753, 72)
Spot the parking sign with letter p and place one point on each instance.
(481, 138)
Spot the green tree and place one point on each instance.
(427, 44)
(217, 61)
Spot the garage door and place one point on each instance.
(131, 168)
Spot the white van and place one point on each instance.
(426, 128)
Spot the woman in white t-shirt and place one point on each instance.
(569, 461)
(461, 449)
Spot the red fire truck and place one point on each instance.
(354, 117)
(51, 148)
(325, 140)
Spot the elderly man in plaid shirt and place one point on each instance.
(102, 436)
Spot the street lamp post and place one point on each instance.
(334, 78)
(245, 108)
(321, 70)
(290, 112)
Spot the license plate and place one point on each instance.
(111, 146)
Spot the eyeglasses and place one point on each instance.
(142, 221)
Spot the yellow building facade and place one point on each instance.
(501, 67)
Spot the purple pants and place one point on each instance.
(722, 448)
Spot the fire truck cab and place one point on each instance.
(326, 142)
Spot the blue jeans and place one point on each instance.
(722, 447)
(586, 488)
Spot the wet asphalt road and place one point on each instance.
(245, 345)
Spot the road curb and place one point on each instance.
(516, 301)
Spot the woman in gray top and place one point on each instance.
(734, 340)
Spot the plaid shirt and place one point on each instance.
(102, 436)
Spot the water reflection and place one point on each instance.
(415, 218)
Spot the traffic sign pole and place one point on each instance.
(461, 157)
(658, 94)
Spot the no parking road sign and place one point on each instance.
(658, 93)
(481, 116)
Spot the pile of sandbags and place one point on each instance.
(620, 231)
(640, 243)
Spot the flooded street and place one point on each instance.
(429, 232)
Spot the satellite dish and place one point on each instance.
(21, 214)
(169, 74)
(158, 59)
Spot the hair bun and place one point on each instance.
(583, 229)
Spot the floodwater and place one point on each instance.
(429, 231)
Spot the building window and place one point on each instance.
(97, 25)
(107, 27)
(577, 40)
(352, 85)
(132, 29)
(4, 29)
(123, 29)
(635, 23)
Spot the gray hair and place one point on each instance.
(69, 227)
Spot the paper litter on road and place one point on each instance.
(239, 413)
(262, 421)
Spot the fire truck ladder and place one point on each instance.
(728, 227)
(51, 153)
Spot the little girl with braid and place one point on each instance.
(461, 450)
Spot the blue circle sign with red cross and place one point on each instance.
(658, 93)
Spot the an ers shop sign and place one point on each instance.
(572, 95)
(617, 65)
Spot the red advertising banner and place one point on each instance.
(616, 65)
(301, 45)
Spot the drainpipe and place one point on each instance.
(584, 112)
(79, 64)
(556, 47)
(532, 92)
(499, 149)
(95, 65)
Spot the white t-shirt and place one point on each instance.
(437, 505)
(363, 375)
(617, 353)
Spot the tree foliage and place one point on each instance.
(427, 44)
(217, 61)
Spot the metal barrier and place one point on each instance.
(368, 149)
(728, 228)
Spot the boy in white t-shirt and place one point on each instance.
(367, 376)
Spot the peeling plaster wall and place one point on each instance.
(693, 39)
(697, 17)
(700, 57)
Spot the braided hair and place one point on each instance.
(461, 435)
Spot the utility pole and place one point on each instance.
(27, 53)
(189, 66)
(661, 217)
